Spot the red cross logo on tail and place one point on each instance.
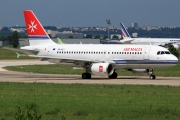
(33, 25)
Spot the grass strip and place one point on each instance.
(91, 102)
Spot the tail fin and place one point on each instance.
(36, 33)
(59, 41)
(125, 33)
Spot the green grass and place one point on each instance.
(91, 102)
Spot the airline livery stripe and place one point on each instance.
(38, 37)
(124, 30)
(146, 61)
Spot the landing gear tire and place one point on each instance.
(113, 76)
(86, 76)
(152, 77)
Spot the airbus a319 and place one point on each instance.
(97, 59)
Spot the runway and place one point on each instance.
(11, 76)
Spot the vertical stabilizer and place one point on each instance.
(59, 41)
(125, 33)
(36, 33)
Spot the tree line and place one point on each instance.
(12, 39)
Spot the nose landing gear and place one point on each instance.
(152, 76)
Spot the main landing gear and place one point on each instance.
(152, 76)
(86, 76)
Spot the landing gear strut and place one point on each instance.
(86, 75)
(152, 76)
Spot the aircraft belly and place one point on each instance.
(148, 66)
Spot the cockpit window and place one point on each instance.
(163, 52)
(158, 52)
(167, 52)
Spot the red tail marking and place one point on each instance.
(33, 26)
(123, 34)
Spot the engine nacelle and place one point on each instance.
(140, 71)
(176, 46)
(102, 69)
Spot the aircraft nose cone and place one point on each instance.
(175, 59)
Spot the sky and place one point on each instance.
(92, 13)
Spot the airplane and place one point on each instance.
(99, 59)
(165, 42)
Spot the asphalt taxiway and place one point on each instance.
(11, 76)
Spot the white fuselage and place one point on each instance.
(156, 41)
(122, 56)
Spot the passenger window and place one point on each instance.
(162, 52)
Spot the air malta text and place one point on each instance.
(132, 49)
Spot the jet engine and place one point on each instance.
(102, 69)
(140, 71)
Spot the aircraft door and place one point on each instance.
(146, 53)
